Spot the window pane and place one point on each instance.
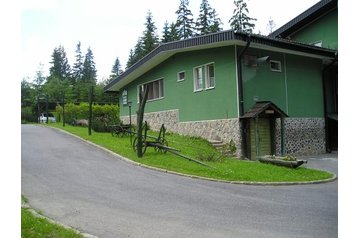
(198, 73)
(210, 76)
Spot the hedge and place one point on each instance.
(103, 115)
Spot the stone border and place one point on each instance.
(199, 177)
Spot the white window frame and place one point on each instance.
(150, 82)
(279, 66)
(178, 76)
(207, 79)
(196, 79)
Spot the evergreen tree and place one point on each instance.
(131, 59)
(166, 33)
(174, 35)
(240, 21)
(185, 22)
(60, 67)
(150, 37)
(89, 68)
(77, 69)
(116, 70)
(207, 22)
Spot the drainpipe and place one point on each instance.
(241, 93)
(239, 69)
(328, 140)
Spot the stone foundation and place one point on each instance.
(304, 136)
(221, 130)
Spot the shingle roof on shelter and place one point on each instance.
(263, 107)
(314, 12)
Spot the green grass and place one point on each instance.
(35, 227)
(229, 169)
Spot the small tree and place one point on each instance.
(240, 21)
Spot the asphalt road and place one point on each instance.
(81, 186)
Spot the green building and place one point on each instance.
(264, 93)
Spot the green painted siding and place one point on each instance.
(217, 103)
(324, 29)
(297, 89)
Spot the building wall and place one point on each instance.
(296, 90)
(324, 29)
(193, 106)
(213, 114)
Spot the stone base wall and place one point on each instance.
(221, 130)
(304, 136)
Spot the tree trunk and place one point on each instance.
(143, 96)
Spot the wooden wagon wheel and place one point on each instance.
(162, 142)
(135, 144)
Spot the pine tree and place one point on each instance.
(174, 35)
(77, 69)
(131, 59)
(185, 22)
(150, 37)
(116, 70)
(60, 68)
(89, 68)
(166, 33)
(240, 21)
(207, 22)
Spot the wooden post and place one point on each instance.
(143, 96)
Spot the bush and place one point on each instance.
(28, 115)
(103, 115)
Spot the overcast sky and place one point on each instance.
(111, 27)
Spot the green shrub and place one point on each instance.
(103, 115)
(28, 115)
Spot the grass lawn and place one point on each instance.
(229, 169)
(34, 227)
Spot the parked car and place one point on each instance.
(43, 117)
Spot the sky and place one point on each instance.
(112, 27)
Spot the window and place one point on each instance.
(155, 89)
(275, 65)
(124, 97)
(181, 76)
(204, 72)
(209, 76)
(198, 78)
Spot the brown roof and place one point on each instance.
(264, 109)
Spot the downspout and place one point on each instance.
(328, 141)
(239, 69)
(241, 93)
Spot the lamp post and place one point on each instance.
(63, 109)
(129, 103)
(90, 110)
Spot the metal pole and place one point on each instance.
(130, 119)
(90, 111)
(46, 109)
(63, 109)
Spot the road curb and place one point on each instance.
(36, 214)
(199, 177)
